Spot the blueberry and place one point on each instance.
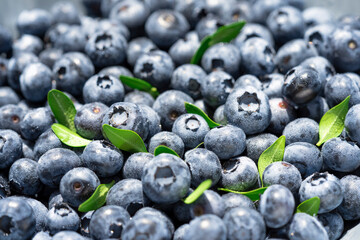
(77, 185)
(282, 173)
(137, 47)
(207, 226)
(131, 13)
(146, 227)
(281, 114)
(165, 179)
(262, 8)
(303, 227)
(170, 105)
(225, 141)
(103, 88)
(127, 193)
(11, 148)
(256, 145)
(192, 10)
(34, 22)
(192, 129)
(244, 223)
(272, 85)
(236, 12)
(46, 141)
(319, 37)
(306, 157)
(302, 130)
(106, 25)
(155, 67)
(333, 224)
(203, 164)
(314, 16)
(180, 232)
(66, 234)
(222, 56)
(116, 71)
(42, 236)
(184, 49)
(341, 155)
(216, 87)
(134, 165)
(55, 198)
(339, 87)
(71, 72)
(11, 117)
(62, 217)
(55, 163)
(17, 219)
(293, 53)
(152, 119)
(139, 97)
(40, 212)
(349, 208)
(286, 23)
(35, 122)
(277, 205)
(3, 69)
(164, 27)
(208, 25)
(5, 39)
(23, 177)
(88, 120)
(352, 123)
(248, 80)
(71, 40)
(168, 139)
(17, 65)
(251, 30)
(188, 78)
(28, 43)
(258, 56)
(350, 20)
(208, 203)
(65, 12)
(49, 56)
(301, 85)
(248, 109)
(239, 174)
(4, 187)
(125, 115)
(325, 186)
(315, 109)
(344, 43)
(219, 115)
(152, 212)
(234, 200)
(103, 158)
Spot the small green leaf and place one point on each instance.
(199, 145)
(191, 108)
(62, 107)
(126, 140)
(205, 185)
(310, 206)
(97, 199)
(164, 149)
(274, 153)
(254, 195)
(69, 137)
(139, 84)
(223, 34)
(332, 123)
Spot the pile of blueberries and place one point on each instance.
(287, 67)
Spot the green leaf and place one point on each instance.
(126, 140)
(332, 123)
(223, 34)
(69, 137)
(191, 108)
(310, 206)
(62, 107)
(97, 199)
(205, 185)
(254, 195)
(164, 149)
(139, 84)
(274, 153)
